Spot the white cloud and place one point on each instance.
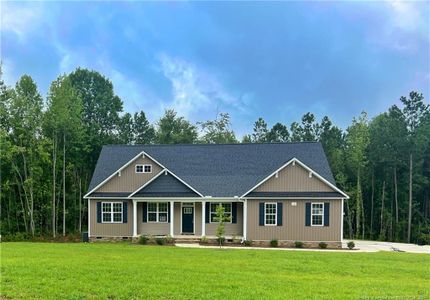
(135, 95)
(405, 15)
(402, 27)
(20, 18)
(195, 92)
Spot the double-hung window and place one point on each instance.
(111, 212)
(158, 212)
(270, 212)
(227, 211)
(317, 214)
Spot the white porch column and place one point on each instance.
(172, 220)
(134, 218)
(245, 218)
(203, 218)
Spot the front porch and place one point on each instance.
(186, 219)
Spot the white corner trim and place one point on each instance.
(293, 161)
(89, 218)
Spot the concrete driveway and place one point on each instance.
(360, 246)
(375, 246)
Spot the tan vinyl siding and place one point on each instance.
(150, 228)
(129, 180)
(110, 229)
(293, 179)
(294, 218)
(230, 228)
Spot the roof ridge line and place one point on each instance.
(227, 144)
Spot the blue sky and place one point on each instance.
(274, 60)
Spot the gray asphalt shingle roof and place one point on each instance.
(217, 170)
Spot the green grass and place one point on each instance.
(124, 271)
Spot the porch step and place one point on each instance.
(187, 240)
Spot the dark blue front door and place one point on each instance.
(188, 219)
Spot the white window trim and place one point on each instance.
(143, 168)
(112, 212)
(276, 213)
(312, 214)
(218, 203)
(157, 213)
(147, 165)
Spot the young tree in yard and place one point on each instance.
(221, 218)
(357, 141)
(218, 131)
(63, 123)
(414, 111)
(278, 133)
(175, 130)
(143, 132)
(260, 131)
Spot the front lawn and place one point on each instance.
(124, 271)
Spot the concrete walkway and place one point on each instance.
(360, 247)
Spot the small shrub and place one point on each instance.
(323, 245)
(160, 241)
(247, 243)
(274, 243)
(350, 245)
(423, 239)
(169, 239)
(143, 240)
(298, 244)
(204, 240)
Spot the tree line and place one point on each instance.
(49, 148)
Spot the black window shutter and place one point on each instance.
(208, 210)
(261, 213)
(168, 212)
(308, 214)
(234, 212)
(326, 214)
(145, 211)
(124, 212)
(279, 213)
(99, 212)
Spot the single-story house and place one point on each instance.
(282, 191)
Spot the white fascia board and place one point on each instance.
(185, 199)
(119, 170)
(295, 198)
(143, 153)
(304, 166)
